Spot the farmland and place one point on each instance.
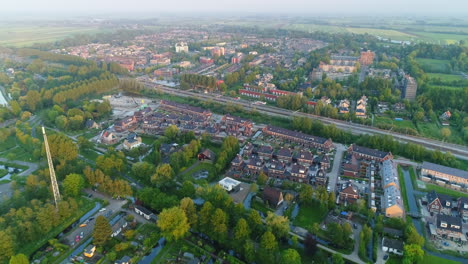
(432, 65)
(445, 77)
(21, 36)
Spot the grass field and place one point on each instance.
(388, 120)
(446, 191)
(308, 215)
(445, 77)
(430, 259)
(432, 65)
(403, 187)
(21, 36)
(440, 38)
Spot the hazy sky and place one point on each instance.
(390, 7)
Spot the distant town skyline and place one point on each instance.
(82, 7)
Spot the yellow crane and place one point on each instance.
(53, 179)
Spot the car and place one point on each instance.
(81, 235)
(91, 219)
(385, 257)
(83, 225)
(77, 238)
(354, 226)
(90, 195)
(102, 209)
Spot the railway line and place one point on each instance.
(457, 150)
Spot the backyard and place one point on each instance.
(310, 214)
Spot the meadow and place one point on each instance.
(22, 36)
(445, 77)
(433, 65)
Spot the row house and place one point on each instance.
(299, 173)
(284, 155)
(298, 137)
(444, 175)
(265, 152)
(125, 124)
(140, 114)
(193, 110)
(237, 163)
(392, 200)
(276, 169)
(258, 95)
(321, 178)
(450, 227)
(255, 165)
(305, 158)
(369, 154)
(236, 125)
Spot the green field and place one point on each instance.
(388, 120)
(445, 77)
(441, 38)
(433, 65)
(308, 215)
(20, 36)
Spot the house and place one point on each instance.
(299, 173)
(237, 163)
(118, 227)
(126, 123)
(325, 162)
(124, 260)
(305, 158)
(284, 155)
(462, 206)
(276, 169)
(255, 165)
(321, 178)
(395, 233)
(439, 203)
(91, 124)
(132, 141)
(391, 201)
(265, 152)
(207, 155)
(444, 175)
(298, 137)
(450, 227)
(369, 154)
(89, 251)
(230, 184)
(392, 246)
(348, 195)
(108, 138)
(147, 214)
(183, 108)
(446, 115)
(272, 196)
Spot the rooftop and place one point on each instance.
(443, 169)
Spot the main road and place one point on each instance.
(458, 151)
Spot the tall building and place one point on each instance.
(181, 47)
(409, 88)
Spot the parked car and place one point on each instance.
(81, 234)
(83, 225)
(77, 238)
(102, 209)
(385, 257)
(354, 226)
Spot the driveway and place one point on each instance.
(113, 207)
(31, 166)
(333, 175)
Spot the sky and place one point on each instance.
(389, 7)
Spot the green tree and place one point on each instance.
(262, 178)
(164, 175)
(278, 225)
(219, 225)
(338, 259)
(62, 148)
(249, 251)
(102, 231)
(73, 184)
(173, 223)
(19, 259)
(171, 132)
(241, 231)
(190, 210)
(255, 222)
(306, 194)
(143, 170)
(205, 217)
(290, 256)
(412, 253)
(445, 132)
(268, 247)
(6, 245)
(84, 143)
(412, 236)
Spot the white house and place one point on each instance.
(230, 184)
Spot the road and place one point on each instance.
(31, 166)
(457, 150)
(333, 175)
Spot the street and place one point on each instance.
(333, 175)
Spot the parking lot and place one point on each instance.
(240, 196)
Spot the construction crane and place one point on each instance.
(53, 179)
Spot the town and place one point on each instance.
(224, 144)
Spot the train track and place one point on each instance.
(457, 150)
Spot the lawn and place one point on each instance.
(403, 187)
(261, 207)
(433, 65)
(445, 77)
(9, 143)
(431, 259)
(432, 130)
(202, 166)
(19, 154)
(446, 191)
(444, 87)
(441, 38)
(310, 214)
(388, 120)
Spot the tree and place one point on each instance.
(241, 231)
(288, 197)
(173, 223)
(19, 259)
(445, 132)
(205, 217)
(310, 245)
(188, 206)
(278, 225)
(187, 190)
(412, 236)
(249, 251)
(262, 178)
(305, 194)
(255, 222)
(164, 175)
(73, 184)
(290, 256)
(171, 132)
(331, 201)
(268, 247)
(412, 253)
(338, 259)
(62, 148)
(6, 245)
(143, 170)
(102, 231)
(219, 224)
(84, 143)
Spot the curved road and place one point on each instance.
(457, 150)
